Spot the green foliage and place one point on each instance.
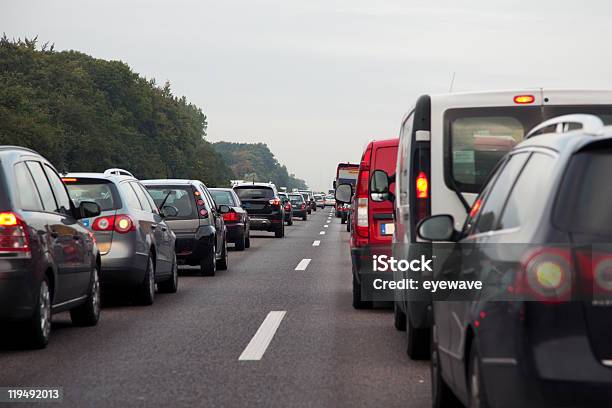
(87, 114)
(255, 161)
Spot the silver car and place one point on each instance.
(136, 245)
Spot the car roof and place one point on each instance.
(221, 189)
(384, 142)
(112, 177)
(167, 182)
(255, 184)
(570, 142)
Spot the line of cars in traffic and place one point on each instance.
(490, 170)
(67, 241)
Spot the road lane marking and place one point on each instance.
(262, 338)
(322, 233)
(325, 226)
(303, 264)
(316, 243)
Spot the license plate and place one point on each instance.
(387, 228)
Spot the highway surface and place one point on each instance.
(275, 330)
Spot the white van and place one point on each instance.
(449, 144)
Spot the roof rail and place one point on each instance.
(117, 172)
(591, 124)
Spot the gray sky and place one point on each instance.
(316, 80)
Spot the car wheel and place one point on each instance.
(279, 233)
(88, 313)
(247, 241)
(441, 394)
(222, 263)
(399, 318)
(418, 341)
(477, 395)
(305, 217)
(290, 222)
(146, 291)
(357, 302)
(208, 264)
(314, 209)
(170, 285)
(38, 327)
(240, 242)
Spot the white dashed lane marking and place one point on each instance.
(261, 340)
(303, 264)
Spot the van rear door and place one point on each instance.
(384, 157)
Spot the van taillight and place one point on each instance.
(119, 223)
(362, 216)
(363, 180)
(524, 99)
(13, 234)
(422, 185)
(546, 275)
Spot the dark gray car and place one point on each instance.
(136, 244)
(49, 262)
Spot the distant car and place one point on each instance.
(288, 208)
(300, 208)
(136, 244)
(320, 200)
(201, 234)
(306, 197)
(262, 202)
(330, 200)
(49, 262)
(551, 345)
(237, 220)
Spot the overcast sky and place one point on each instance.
(317, 79)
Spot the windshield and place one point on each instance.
(254, 193)
(223, 197)
(101, 193)
(181, 198)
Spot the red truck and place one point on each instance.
(346, 173)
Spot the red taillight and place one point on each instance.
(13, 234)
(363, 180)
(303, 206)
(275, 202)
(231, 216)
(200, 202)
(365, 160)
(546, 274)
(288, 207)
(203, 213)
(524, 99)
(596, 268)
(475, 208)
(69, 179)
(422, 185)
(119, 223)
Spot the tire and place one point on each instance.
(309, 211)
(441, 394)
(477, 396)
(146, 290)
(305, 217)
(208, 264)
(418, 345)
(399, 318)
(38, 327)
(88, 313)
(343, 220)
(240, 244)
(222, 263)
(290, 222)
(170, 285)
(357, 302)
(314, 209)
(247, 241)
(279, 233)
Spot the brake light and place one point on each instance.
(200, 202)
(597, 268)
(13, 234)
(288, 206)
(546, 274)
(203, 213)
(275, 202)
(69, 179)
(231, 216)
(303, 206)
(524, 99)
(422, 185)
(362, 183)
(119, 223)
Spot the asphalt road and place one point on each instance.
(185, 350)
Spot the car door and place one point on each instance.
(217, 218)
(64, 240)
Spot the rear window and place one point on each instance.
(583, 204)
(223, 197)
(181, 198)
(295, 199)
(99, 192)
(254, 193)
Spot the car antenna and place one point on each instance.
(450, 89)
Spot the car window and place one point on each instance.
(223, 197)
(27, 193)
(42, 184)
(100, 192)
(131, 199)
(59, 190)
(403, 166)
(296, 199)
(148, 197)
(208, 198)
(489, 213)
(142, 198)
(529, 191)
(180, 197)
(254, 193)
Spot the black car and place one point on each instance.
(300, 208)
(306, 196)
(288, 208)
(540, 231)
(264, 206)
(49, 262)
(237, 220)
(201, 235)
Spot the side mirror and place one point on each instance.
(88, 209)
(379, 186)
(437, 228)
(224, 209)
(343, 193)
(169, 211)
